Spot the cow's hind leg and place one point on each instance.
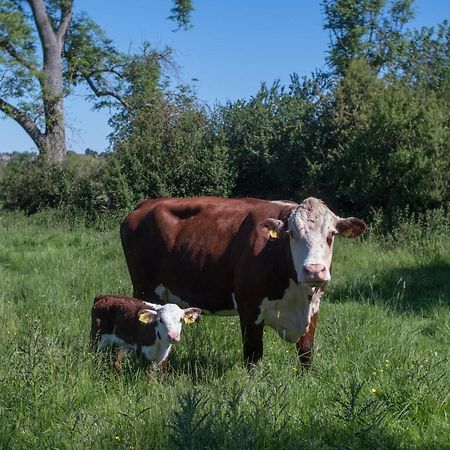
(306, 342)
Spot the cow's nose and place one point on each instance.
(314, 271)
(173, 336)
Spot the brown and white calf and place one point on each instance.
(146, 328)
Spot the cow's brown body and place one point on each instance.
(210, 252)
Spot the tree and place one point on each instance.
(34, 81)
(371, 30)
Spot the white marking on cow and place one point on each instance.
(111, 339)
(168, 297)
(234, 301)
(157, 352)
(284, 203)
(291, 315)
(309, 226)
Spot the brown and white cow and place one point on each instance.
(146, 328)
(268, 261)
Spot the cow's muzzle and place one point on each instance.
(315, 274)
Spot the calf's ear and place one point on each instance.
(351, 227)
(272, 228)
(191, 314)
(147, 316)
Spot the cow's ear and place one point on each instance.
(351, 227)
(147, 316)
(272, 228)
(191, 314)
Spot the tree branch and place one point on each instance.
(5, 44)
(66, 18)
(43, 25)
(24, 120)
(105, 93)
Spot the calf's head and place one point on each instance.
(311, 228)
(168, 319)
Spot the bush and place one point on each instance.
(31, 184)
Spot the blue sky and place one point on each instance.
(232, 47)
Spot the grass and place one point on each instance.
(380, 378)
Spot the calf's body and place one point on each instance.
(129, 323)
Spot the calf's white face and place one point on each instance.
(311, 228)
(168, 319)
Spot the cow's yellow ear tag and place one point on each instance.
(348, 232)
(273, 234)
(144, 318)
(188, 318)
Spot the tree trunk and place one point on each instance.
(53, 147)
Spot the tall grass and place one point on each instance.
(380, 378)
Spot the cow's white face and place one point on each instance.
(168, 319)
(311, 228)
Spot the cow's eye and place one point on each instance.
(181, 320)
(292, 234)
(330, 237)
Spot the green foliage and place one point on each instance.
(271, 138)
(388, 145)
(75, 50)
(31, 184)
(164, 142)
(180, 13)
(379, 379)
(370, 30)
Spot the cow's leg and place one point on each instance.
(252, 337)
(306, 342)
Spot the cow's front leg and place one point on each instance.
(252, 338)
(306, 342)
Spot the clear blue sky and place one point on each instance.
(233, 46)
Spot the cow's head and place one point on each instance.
(168, 319)
(311, 228)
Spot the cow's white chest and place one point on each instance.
(157, 352)
(290, 316)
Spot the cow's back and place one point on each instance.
(193, 246)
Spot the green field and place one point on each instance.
(380, 378)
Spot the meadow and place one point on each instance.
(380, 377)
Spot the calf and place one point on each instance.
(130, 323)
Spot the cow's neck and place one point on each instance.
(290, 316)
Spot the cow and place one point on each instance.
(130, 323)
(267, 261)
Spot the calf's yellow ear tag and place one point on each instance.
(188, 318)
(348, 232)
(144, 318)
(273, 234)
